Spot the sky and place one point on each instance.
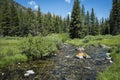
(64, 7)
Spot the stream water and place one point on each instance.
(62, 66)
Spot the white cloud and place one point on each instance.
(33, 4)
(69, 13)
(68, 1)
(36, 7)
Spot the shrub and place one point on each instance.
(87, 39)
(38, 47)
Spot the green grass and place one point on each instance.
(113, 71)
(10, 52)
(100, 39)
(38, 47)
(18, 49)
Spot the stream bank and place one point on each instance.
(62, 66)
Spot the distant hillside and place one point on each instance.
(18, 6)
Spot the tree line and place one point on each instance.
(17, 21)
(86, 23)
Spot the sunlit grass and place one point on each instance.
(17, 49)
(100, 39)
(10, 52)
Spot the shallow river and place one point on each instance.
(62, 66)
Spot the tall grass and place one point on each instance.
(100, 39)
(17, 49)
(112, 72)
(10, 52)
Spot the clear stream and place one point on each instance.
(62, 66)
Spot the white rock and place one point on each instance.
(88, 68)
(111, 61)
(108, 54)
(19, 63)
(55, 54)
(3, 74)
(30, 72)
(26, 74)
(67, 56)
(109, 58)
(80, 57)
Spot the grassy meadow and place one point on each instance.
(18, 49)
(10, 51)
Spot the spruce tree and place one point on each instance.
(83, 16)
(5, 18)
(92, 27)
(39, 26)
(115, 18)
(14, 20)
(97, 27)
(30, 23)
(75, 25)
(68, 23)
(107, 27)
(87, 22)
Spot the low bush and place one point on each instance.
(38, 47)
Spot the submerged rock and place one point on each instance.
(67, 56)
(89, 68)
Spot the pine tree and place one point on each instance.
(39, 26)
(75, 25)
(14, 20)
(5, 18)
(30, 23)
(23, 23)
(83, 16)
(107, 27)
(87, 22)
(97, 27)
(115, 18)
(68, 23)
(102, 25)
(92, 27)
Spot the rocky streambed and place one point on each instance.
(62, 66)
